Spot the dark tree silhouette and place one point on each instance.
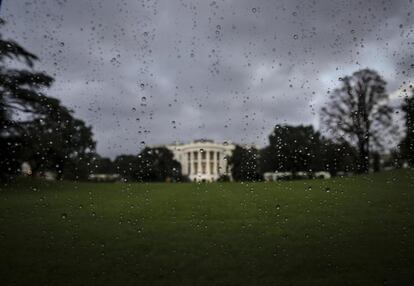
(158, 165)
(244, 164)
(103, 165)
(33, 126)
(359, 112)
(127, 167)
(407, 144)
(150, 165)
(20, 89)
(292, 149)
(337, 157)
(20, 93)
(59, 143)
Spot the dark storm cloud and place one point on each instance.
(164, 71)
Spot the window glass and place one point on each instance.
(206, 142)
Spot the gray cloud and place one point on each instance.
(162, 71)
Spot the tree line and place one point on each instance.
(38, 129)
(358, 123)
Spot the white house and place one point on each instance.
(203, 160)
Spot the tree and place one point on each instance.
(33, 126)
(103, 165)
(292, 149)
(127, 166)
(337, 157)
(150, 165)
(158, 165)
(20, 89)
(407, 144)
(244, 164)
(20, 93)
(59, 143)
(359, 113)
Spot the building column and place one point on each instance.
(223, 163)
(190, 163)
(199, 162)
(215, 163)
(208, 172)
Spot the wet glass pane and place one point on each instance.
(189, 142)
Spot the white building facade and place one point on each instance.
(203, 160)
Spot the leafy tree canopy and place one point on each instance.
(244, 164)
(359, 112)
(33, 126)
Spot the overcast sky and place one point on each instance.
(174, 70)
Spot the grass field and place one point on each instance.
(350, 231)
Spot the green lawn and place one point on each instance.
(352, 231)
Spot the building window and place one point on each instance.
(203, 168)
(218, 156)
(195, 155)
(195, 168)
(211, 155)
(203, 154)
(212, 167)
(189, 168)
(188, 156)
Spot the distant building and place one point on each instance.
(322, 175)
(275, 176)
(26, 169)
(104, 177)
(48, 175)
(203, 160)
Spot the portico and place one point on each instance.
(203, 160)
